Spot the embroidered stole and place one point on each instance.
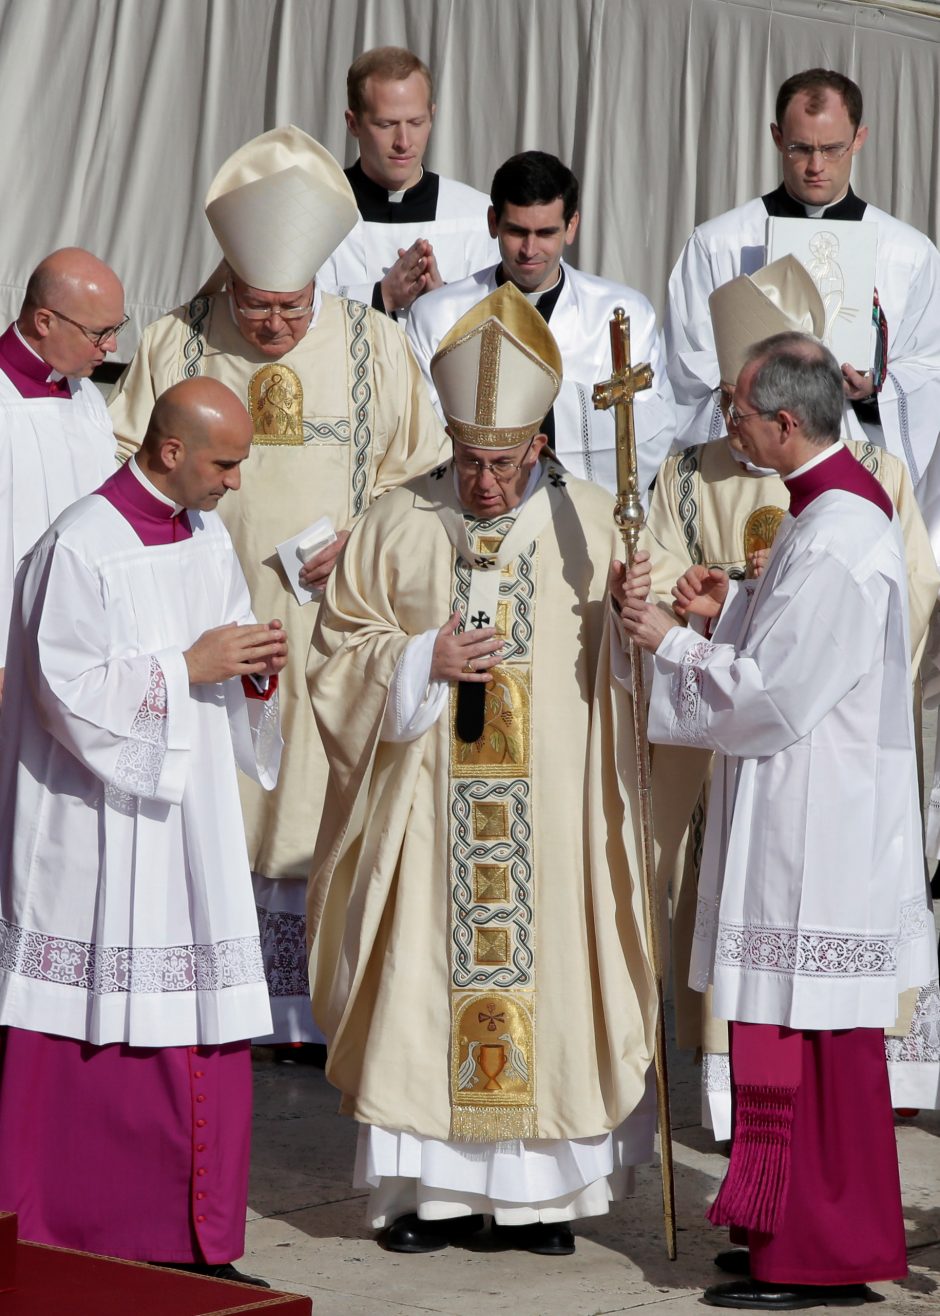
(491, 846)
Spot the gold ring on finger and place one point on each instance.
(468, 666)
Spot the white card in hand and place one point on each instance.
(294, 552)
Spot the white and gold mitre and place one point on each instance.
(279, 207)
(497, 371)
(779, 298)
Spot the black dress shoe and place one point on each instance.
(409, 1233)
(755, 1295)
(734, 1261)
(303, 1053)
(548, 1240)
(223, 1270)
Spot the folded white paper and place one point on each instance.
(297, 550)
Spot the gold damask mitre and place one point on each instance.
(779, 298)
(497, 372)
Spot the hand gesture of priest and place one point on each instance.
(702, 591)
(315, 573)
(233, 650)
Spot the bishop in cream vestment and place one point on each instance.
(339, 419)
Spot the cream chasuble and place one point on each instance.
(708, 508)
(480, 971)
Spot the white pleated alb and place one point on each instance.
(518, 1183)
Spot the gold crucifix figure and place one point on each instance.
(618, 392)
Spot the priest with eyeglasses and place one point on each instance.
(894, 402)
(56, 442)
(813, 914)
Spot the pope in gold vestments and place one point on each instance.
(480, 970)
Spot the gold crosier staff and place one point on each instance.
(617, 392)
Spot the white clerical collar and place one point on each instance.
(535, 297)
(816, 212)
(314, 313)
(533, 480)
(395, 197)
(53, 376)
(816, 461)
(748, 465)
(152, 488)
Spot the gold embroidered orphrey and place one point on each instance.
(492, 1055)
(760, 529)
(503, 749)
(276, 404)
(492, 1082)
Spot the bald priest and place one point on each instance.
(56, 442)
(130, 966)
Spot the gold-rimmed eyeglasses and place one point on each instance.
(502, 470)
(268, 312)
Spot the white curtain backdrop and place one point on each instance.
(119, 112)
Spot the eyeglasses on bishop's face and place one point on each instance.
(268, 312)
(502, 470)
(97, 336)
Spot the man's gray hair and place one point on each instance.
(797, 373)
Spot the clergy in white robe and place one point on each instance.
(130, 965)
(534, 215)
(480, 965)
(56, 442)
(712, 506)
(929, 498)
(896, 403)
(340, 415)
(813, 909)
(416, 229)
